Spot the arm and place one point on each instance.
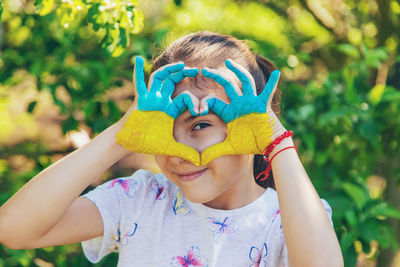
(47, 210)
(309, 235)
(252, 126)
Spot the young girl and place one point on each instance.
(208, 120)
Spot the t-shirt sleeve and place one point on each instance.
(111, 198)
(107, 202)
(284, 256)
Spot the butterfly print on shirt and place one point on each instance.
(158, 191)
(257, 256)
(191, 259)
(178, 206)
(221, 226)
(128, 185)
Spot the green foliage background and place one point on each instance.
(340, 94)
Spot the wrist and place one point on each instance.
(288, 141)
(116, 148)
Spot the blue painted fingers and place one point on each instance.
(162, 84)
(246, 103)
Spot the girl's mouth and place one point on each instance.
(191, 175)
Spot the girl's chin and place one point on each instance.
(194, 197)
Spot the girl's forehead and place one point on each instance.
(201, 87)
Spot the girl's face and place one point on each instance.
(226, 182)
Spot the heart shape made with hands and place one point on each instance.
(252, 125)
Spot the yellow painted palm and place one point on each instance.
(252, 125)
(149, 128)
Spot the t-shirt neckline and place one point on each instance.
(266, 198)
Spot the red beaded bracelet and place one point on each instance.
(269, 150)
(277, 141)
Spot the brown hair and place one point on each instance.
(209, 49)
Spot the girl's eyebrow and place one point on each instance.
(189, 119)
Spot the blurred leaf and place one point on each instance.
(390, 95)
(376, 93)
(38, 5)
(69, 124)
(1, 9)
(385, 237)
(348, 239)
(47, 7)
(178, 2)
(31, 106)
(370, 130)
(113, 110)
(330, 116)
(384, 209)
(369, 230)
(349, 50)
(356, 193)
(305, 112)
(138, 19)
(117, 51)
(351, 217)
(89, 109)
(374, 57)
(122, 37)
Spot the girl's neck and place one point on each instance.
(238, 195)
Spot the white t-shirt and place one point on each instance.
(149, 222)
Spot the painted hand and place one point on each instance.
(252, 125)
(149, 128)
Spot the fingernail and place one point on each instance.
(138, 59)
(204, 112)
(276, 72)
(193, 112)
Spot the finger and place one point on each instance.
(203, 109)
(169, 84)
(270, 88)
(139, 76)
(163, 73)
(216, 105)
(217, 76)
(161, 69)
(248, 84)
(216, 151)
(187, 100)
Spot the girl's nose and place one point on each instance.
(178, 160)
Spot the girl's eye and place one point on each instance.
(200, 125)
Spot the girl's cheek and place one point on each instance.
(201, 138)
(208, 139)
